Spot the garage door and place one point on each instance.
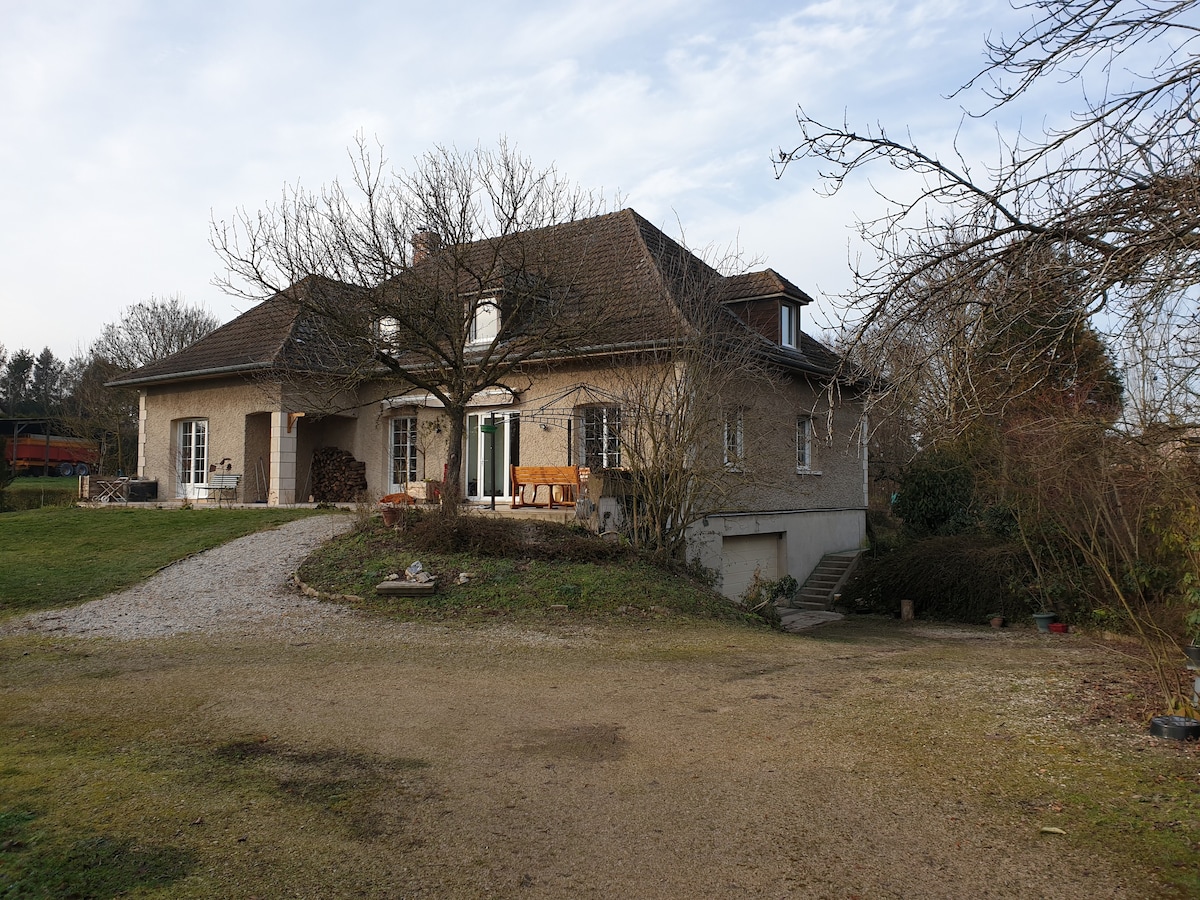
(742, 555)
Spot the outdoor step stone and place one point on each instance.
(406, 588)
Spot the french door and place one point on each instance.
(193, 458)
(493, 444)
(404, 453)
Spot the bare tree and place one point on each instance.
(1084, 235)
(687, 415)
(107, 415)
(152, 330)
(1113, 195)
(446, 279)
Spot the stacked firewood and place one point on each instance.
(337, 477)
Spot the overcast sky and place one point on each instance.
(125, 125)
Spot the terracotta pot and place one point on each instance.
(391, 515)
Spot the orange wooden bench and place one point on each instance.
(565, 478)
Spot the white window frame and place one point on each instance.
(600, 450)
(789, 325)
(403, 445)
(733, 440)
(192, 458)
(387, 328)
(485, 321)
(804, 446)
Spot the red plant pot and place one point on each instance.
(1058, 627)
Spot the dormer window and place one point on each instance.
(485, 322)
(789, 325)
(387, 329)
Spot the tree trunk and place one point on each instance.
(452, 492)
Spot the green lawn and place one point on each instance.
(515, 569)
(57, 556)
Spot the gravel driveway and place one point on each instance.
(237, 587)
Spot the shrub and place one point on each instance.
(961, 578)
(935, 496)
(497, 537)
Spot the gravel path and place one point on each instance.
(237, 587)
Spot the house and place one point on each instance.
(787, 452)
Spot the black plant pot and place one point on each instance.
(1193, 654)
(1177, 728)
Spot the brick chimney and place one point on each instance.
(423, 244)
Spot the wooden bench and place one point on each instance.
(222, 482)
(566, 478)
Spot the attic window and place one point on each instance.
(485, 322)
(789, 325)
(387, 328)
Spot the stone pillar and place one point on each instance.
(282, 490)
(141, 440)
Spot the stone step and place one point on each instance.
(830, 573)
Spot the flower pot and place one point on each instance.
(1177, 728)
(1043, 621)
(391, 515)
(1058, 627)
(997, 621)
(1193, 653)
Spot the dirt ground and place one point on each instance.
(863, 759)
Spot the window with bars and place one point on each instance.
(600, 427)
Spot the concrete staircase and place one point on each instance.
(826, 580)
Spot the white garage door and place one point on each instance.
(742, 555)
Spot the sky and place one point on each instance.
(126, 126)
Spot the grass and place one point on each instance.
(102, 807)
(58, 556)
(515, 569)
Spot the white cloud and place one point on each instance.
(133, 120)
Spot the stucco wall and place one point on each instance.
(548, 400)
(224, 403)
(808, 535)
(550, 435)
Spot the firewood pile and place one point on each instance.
(337, 477)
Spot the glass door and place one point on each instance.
(492, 440)
(193, 459)
(404, 453)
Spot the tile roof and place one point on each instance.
(269, 335)
(767, 283)
(619, 269)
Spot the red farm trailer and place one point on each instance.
(52, 454)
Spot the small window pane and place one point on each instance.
(803, 443)
(789, 325)
(734, 449)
